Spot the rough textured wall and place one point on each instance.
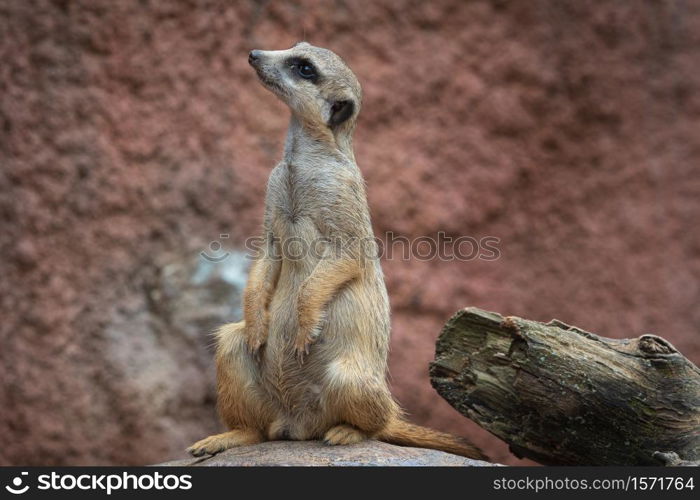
(132, 134)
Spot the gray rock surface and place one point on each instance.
(316, 454)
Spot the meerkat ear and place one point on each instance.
(340, 112)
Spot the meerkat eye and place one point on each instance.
(306, 70)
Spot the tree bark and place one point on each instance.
(563, 396)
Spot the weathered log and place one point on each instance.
(563, 396)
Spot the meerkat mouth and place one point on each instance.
(269, 82)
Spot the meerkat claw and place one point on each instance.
(255, 348)
(303, 349)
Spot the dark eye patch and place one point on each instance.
(303, 68)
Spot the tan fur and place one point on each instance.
(404, 433)
(309, 361)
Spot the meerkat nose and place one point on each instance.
(253, 57)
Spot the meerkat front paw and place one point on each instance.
(307, 334)
(256, 334)
(255, 339)
(343, 434)
(220, 442)
(310, 319)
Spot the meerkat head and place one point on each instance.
(315, 83)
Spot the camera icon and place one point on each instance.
(216, 248)
(16, 488)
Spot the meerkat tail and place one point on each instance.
(403, 433)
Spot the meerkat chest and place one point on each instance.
(308, 200)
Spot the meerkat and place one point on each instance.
(309, 359)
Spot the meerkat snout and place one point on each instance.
(316, 84)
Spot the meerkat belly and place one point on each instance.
(352, 319)
(296, 387)
(292, 385)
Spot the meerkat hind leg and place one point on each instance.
(343, 434)
(220, 442)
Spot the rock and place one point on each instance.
(315, 453)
